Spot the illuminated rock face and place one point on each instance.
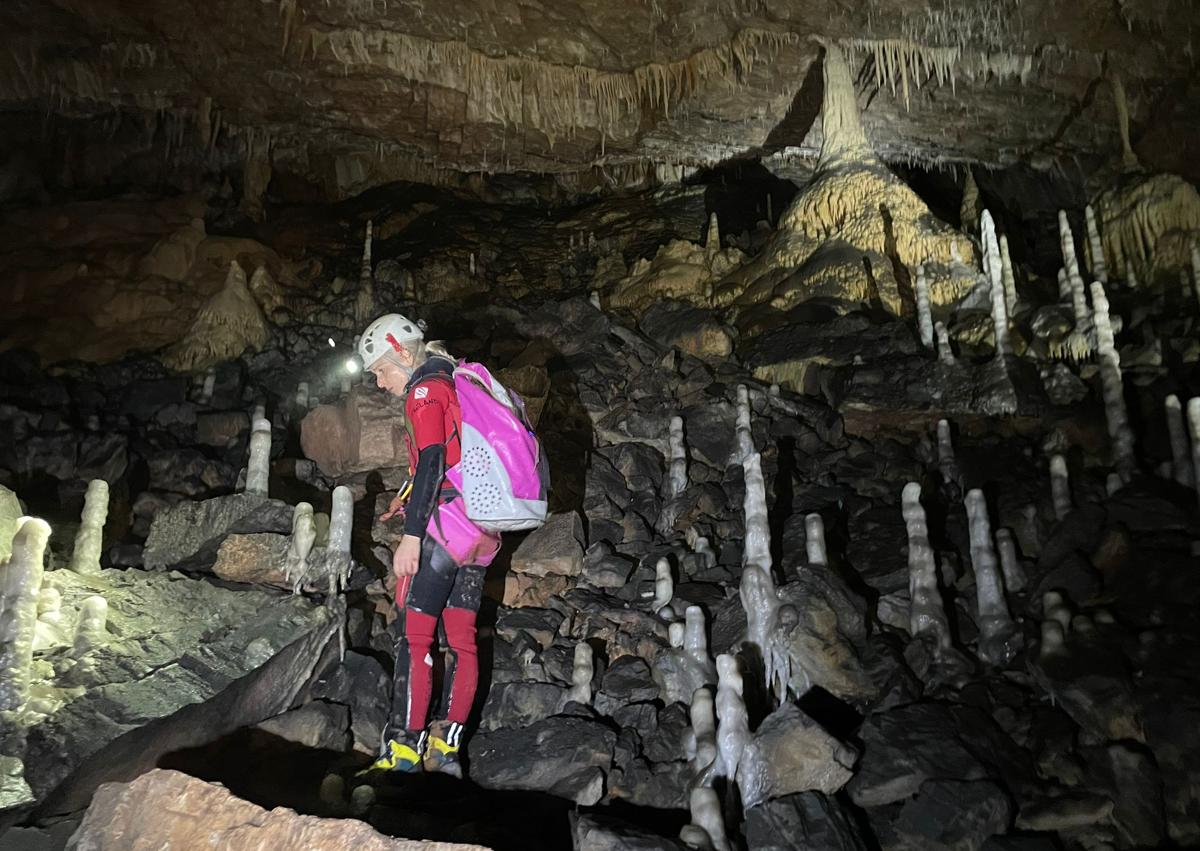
(856, 232)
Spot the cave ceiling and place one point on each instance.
(343, 95)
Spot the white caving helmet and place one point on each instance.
(387, 334)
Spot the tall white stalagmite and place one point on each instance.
(210, 385)
(89, 540)
(707, 830)
(364, 302)
(945, 353)
(1064, 286)
(996, 645)
(924, 315)
(712, 241)
(582, 671)
(20, 586)
(743, 436)
(991, 265)
(664, 585)
(341, 524)
(302, 395)
(1067, 244)
(1113, 388)
(695, 639)
(926, 615)
(757, 587)
(814, 539)
(258, 471)
(947, 463)
(1095, 246)
(676, 632)
(1079, 305)
(1181, 462)
(733, 723)
(677, 472)
(1193, 416)
(1007, 277)
(1060, 486)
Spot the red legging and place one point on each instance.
(440, 587)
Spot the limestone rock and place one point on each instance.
(689, 329)
(565, 756)
(253, 559)
(188, 535)
(793, 754)
(363, 432)
(222, 428)
(314, 725)
(809, 821)
(167, 809)
(556, 548)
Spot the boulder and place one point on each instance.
(791, 753)
(168, 809)
(256, 559)
(565, 756)
(187, 535)
(952, 815)
(222, 428)
(363, 432)
(595, 832)
(182, 662)
(546, 562)
(809, 821)
(314, 725)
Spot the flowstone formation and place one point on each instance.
(228, 324)
(855, 232)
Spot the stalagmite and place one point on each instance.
(695, 639)
(945, 353)
(258, 471)
(1010, 565)
(677, 473)
(1193, 416)
(664, 587)
(302, 395)
(1053, 639)
(924, 317)
(304, 535)
(210, 383)
(742, 434)
(996, 634)
(20, 586)
(341, 523)
(1007, 277)
(1055, 608)
(1095, 246)
(1181, 462)
(814, 540)
(708, 825)
(712, 240)
(1060, 486)
(947, 463)
(364, 303)
(676, 631)
(1113, 389)
(1064, 286)
(89, 540)
(229, 323)
(703, 739)
(582, 671)
(1066, 241)
(733, 724)
(757, 587)
(926, 615)
(969, 208)
(991, 265)
(90, 631)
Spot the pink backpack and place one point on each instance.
(502, 474)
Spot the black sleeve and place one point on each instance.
(427, 483)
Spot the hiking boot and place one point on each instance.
(399, 756)
(441, 750)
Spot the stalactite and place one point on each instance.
(677, 470)
(945, 352)
(970, 209)
(1129, 160)
(364, 303)
(947, 463)
(1119, 431)
(1006, 275)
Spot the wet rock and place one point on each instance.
(359, 682)
(222, 429)
(517, 704)
(189, 472)
(907, 746)
(566, 756)
(809, 821)
(102, 456)
(554, 548)
(167, 809)
(187, 535)
(182, 662)
(692, 330)
(596, 832)
(626, 681)
(315, 725)
(1130, 777)
(792, 753)
(362, 433)
(144, 399)
(949, 815)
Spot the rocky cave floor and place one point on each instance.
(209, 666)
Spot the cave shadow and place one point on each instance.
(784, 490)
(802, 113)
